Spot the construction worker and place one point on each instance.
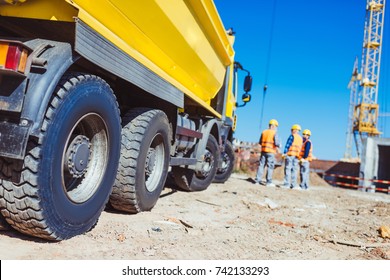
(291, 157)
(305, 157)
(269, 143)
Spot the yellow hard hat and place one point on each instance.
(296, 126)
(307, 132)
(274, 122)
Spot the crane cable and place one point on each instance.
(384, 81)
(268, 61)
(384, 95)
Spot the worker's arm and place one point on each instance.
(261, 138)
(289, 142)
(277, 140)
(307, 149)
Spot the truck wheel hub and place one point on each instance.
(150, 161)
(78, 156)
(225, 162)
(208, 162)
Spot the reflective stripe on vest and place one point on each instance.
(268, 141)
(302, 153)
(296, 146)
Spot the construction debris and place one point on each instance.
(271, 204)
(156, 229)
(360, 245)
(121, 237)
(286, 224)
(384, 231)
(350, 243)
(209, 203)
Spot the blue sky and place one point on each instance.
(314, 46)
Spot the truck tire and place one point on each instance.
(65, 180)
(191, 180)
(226, 170)
(3, 223)
(144, 161)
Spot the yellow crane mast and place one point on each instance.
(364, 84)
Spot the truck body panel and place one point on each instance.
(184, 42)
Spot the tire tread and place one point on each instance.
(135, 123)
(20, 204)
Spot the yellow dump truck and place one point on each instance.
(101, 100)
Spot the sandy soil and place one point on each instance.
(235, 220)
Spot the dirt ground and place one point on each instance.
(235, 220)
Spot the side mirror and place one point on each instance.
(246, 97)
(247, 83)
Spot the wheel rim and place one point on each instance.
(225, 163)
(207, 165)
(154, 163)
(84, 159)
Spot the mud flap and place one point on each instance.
(13, 140)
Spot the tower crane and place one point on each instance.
(364, 84)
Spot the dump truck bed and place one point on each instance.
(184, 42)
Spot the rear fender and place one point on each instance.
(50, 61)
(56, 58)
(210, 127)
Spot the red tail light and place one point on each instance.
(13, 56)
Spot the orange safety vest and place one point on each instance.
(268, 141)
(310, 156)
(296, 146)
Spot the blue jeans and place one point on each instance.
(305, 168)
(269, 160)
(290, 171)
